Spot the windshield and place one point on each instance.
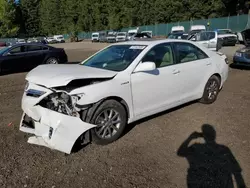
(115, 58)
(60, 37)
(95, 35)
(130, 34)
(221, 32)
(111, 35)
(3, 50)
(121, 34)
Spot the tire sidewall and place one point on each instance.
(109, 104)
(205, 98)
(46, 62)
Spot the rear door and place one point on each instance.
(14, 59)
(194, 67)
(35, 55)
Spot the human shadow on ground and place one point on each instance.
(211, 165)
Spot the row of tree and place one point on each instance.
(47, 17)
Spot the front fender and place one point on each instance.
(96, 92)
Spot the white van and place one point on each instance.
(176, 29)
(196, 29)
(95, 37)
(121, 36)
(132, 32)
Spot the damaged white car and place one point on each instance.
(96, 99)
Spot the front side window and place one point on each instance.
(187, 52)
(16, 50)
(161, 55)
(115, 58)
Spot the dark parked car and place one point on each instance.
(27, 56)
(139, 36)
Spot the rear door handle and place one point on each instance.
(176, 71)
(208, 63)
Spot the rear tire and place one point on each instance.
(52, 60)
(211, 90)
(111, 119)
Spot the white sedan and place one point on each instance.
(94, 100)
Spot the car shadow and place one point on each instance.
(240, 67)
(210, 164)
(131, 126)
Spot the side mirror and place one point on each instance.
(145, 66)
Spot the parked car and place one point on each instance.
(32, 40)
(59, 38)
(242, 56)
(21, 41)
(121, 36)
(227, 37)
(139, 36)
(177, 29)
(21, 57)
(103, 37)
(208, 39)
(132, 32)
(124, 82)
(95, 37)
(194, 29)
(51, 40)
(2, 44)
(111, 37)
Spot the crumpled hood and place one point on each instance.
(60, 75)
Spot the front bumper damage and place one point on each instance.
(50, 128)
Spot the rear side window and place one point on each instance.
(186, 52)
(33, 48)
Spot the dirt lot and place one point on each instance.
(145, 157)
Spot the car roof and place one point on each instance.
(29, 44)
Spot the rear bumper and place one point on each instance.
(49, 128)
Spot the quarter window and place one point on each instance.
(161, 55)
(188, 52)
(16, 50)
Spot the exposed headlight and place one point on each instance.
(238, 54)
(34, 93)
(26, 86)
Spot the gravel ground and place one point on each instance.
(146, 156)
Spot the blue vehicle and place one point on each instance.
(242, 56)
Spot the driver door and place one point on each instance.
(154, 91)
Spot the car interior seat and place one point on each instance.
(167, 58)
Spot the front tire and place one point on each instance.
(111, 119)
(211, 90)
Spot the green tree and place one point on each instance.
(8, 26)
(30, 12)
